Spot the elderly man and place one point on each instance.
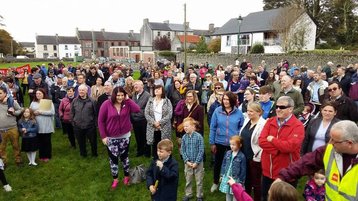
(138, 120)
(84, 120)
(8, 127)
(108, 88)
(339, 159)
(194, 84)
(288, 90)
(280, 140)
(346, 108)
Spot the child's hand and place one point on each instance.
(152, 189)
(231, 181)
(159, 164)
(23, 130)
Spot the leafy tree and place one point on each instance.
(202, 47)
(5, 42)
(215, 45)
(162, 43)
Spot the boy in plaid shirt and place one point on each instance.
(192, 150)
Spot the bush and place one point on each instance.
(257, 48)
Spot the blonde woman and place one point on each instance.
(97, 89)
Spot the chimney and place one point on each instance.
(145, 21)
(211, 27)
(166, 22)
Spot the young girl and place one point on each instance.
(28, 127)
(234, 165)
(314, 189)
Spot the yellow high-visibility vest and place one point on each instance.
(339, 188)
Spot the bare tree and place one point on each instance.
(291, 27)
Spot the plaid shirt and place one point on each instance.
(192, 148)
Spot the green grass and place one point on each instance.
(68, 177)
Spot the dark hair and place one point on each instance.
(335, 82)
(329, 103)
(163, 90)
(3, 88)
(265, 89)
(115, 92)
(43, 92)
(253, 78)
(232, 99)
(69, 88)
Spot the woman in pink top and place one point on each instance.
(115, 130)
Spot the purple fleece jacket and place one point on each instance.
(112, 124)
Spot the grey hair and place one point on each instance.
(287, 99)
(348, 129)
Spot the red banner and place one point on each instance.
(19, 69)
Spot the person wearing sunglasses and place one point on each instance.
(280, 140)
(339, 159)
(346, 108)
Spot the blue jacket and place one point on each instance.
(168, 179)
(238, 167)
(223, 125)
(31, 126)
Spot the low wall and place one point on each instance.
(310, 60)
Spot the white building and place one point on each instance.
(259, 27)
(69, 47)
(46, 46)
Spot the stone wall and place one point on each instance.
(310, 60)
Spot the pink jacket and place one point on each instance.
(64, 110)
(239, 193)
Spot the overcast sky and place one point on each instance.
(24, 18)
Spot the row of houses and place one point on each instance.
(257, 27)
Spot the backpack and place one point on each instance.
(137, 174)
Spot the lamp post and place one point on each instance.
(239, 20)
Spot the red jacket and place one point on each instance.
(64, 110)
(284, 147)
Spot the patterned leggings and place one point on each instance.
(118, 148)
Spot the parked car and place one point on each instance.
(22, 57)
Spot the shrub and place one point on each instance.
(257, 48)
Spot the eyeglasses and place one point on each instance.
(282, 107)
(332, 89)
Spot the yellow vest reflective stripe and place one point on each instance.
(337, 188)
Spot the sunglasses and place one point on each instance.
(282, 107)
(332, 89)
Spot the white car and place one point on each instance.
(22, 57)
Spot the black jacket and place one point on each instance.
(84, 113)
(167, 179)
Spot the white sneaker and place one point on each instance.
(213, 188)
(34, 163)
(7, 188)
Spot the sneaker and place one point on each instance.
(114, 184)
(7, 188)
(186, 198)
(200, 199)
(34, 164)
(126, 181)
(213, 188)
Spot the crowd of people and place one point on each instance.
(267, 125)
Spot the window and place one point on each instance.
(66, 47)
(45, 55)
(66, 55)
(228, 41)
(55, 47)
(112, 43)
(158, 33)
(55, 54)
(168, 34)
(45, 48)
(88, 44)
(86, 53)
(76, 48)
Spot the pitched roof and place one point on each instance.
(253, 22)
(68, 40)
(46, 40)
(108, 36)
(189, 38)
(204, 32)
(27, 44)
(167, 26)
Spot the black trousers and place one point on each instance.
(140, 130)
(68, 128)
(157, 138)
(45, 145)
(219, 156)
(82, 135)
(3, 178)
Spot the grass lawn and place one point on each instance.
(68, 177)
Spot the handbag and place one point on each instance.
(180, 127)
(137, 174)
(224, 186)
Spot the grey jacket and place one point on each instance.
(141, 102)
(84, 113)
(165, 122)
(8, 121)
